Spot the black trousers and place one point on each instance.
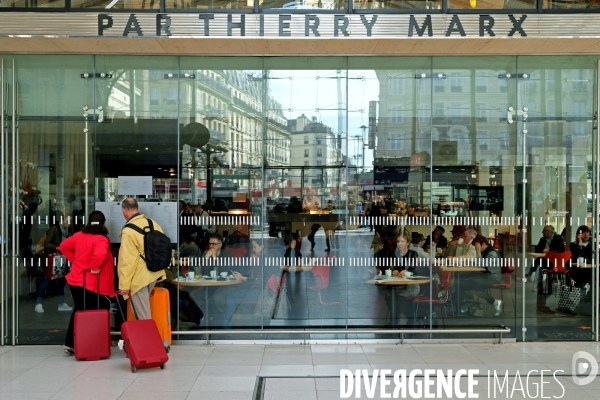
(91, 303)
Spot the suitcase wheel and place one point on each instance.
(162, 366)
(133, 368)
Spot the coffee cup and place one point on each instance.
(407, 274)
(581, 261)
(213, 274)
(223, 275)
(388, 273)
(190, 276)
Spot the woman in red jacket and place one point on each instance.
(89, 250)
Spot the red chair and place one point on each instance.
(321, 275)
(445, 284)
(560, 262)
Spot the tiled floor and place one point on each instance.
(288, 371)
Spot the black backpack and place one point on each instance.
(157, 247)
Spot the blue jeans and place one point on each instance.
(60, 288)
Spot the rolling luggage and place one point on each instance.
(142, 344)
(91, 331)
(160, 307)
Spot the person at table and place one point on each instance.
(457, 234)
(550, 241)
(310, 201)
(581, 248)
(405, 260)
(478, 283)
(464, 247)
(436, 240)
(418, 240)
(188, 249)
(216, 251)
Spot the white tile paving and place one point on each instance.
(293, 372)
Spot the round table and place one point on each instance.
(205, 283)
(393, 282)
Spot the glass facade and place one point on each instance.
(319, 174)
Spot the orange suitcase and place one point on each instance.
(160, 307)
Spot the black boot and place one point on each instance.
(328, 244)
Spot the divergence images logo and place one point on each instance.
(581, 367)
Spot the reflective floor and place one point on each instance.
(284, 371)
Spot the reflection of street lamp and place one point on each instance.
(364, 130)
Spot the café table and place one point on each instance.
(583, 266)
(459, 270)
(393, 282)
(205, 283)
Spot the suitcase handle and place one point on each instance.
(84, 289)
(121, 310)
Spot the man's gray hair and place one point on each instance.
(130, 204)
(471, 232)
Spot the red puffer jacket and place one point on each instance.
(87, 251)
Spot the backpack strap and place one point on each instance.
(150, 224)
(141, 231)
(136, 228)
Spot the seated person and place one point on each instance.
(418, 240)
(464, 246)
(478, 283)
(581, 248)
(550, 241)
(216, 250)
(188, 248)
(457, 234)
(400, 261)
(436, 239)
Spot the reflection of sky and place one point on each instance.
(315, 93)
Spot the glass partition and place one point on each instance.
(290, 186)
(558, 148)
(54, 160)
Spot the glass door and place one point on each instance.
(48, 151)
(7, 300)
(557, 140)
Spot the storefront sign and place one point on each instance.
(314, 25)
(308, 26)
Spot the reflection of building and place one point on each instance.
(314, 145)
(228, 103)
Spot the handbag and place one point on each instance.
(57, 266)
(568, 296)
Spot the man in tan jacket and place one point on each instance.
(135, 279)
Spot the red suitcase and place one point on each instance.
(143, 344)
(91, 331)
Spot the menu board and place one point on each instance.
(134, 185)
(164, 213)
